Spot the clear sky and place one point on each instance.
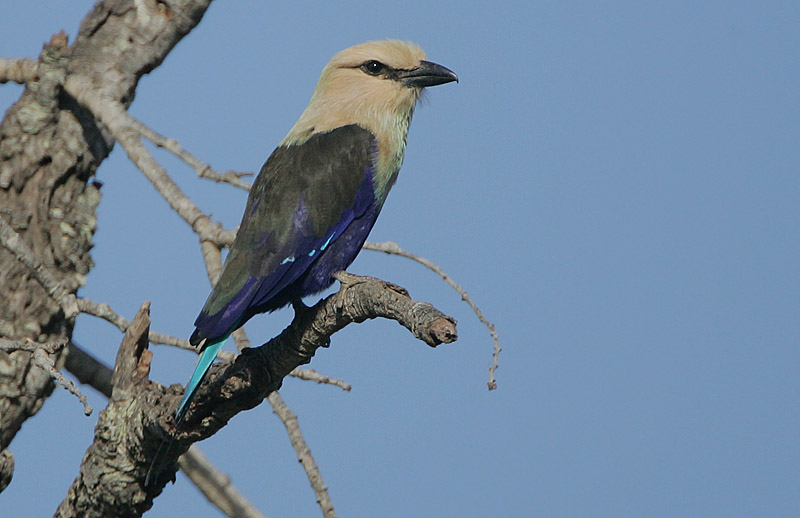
(617, 187)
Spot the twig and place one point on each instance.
(215, 485)
(15, 244)
(44, 362)
(312, 375)
(104, 311)
(392, 248)
(289, 420)
(28, 345)
(113, 115)
(202, 169)
(18, 70)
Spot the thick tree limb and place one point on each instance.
(214, 485)
(258, 371)
(18, 70)
(50, 148)
(147, 408)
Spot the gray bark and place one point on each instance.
(50, 148)
(138, 421)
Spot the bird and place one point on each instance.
(318, 195)
(315, 200)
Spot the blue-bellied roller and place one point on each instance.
(318, 195)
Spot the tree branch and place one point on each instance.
(6, 468)
(104, 311)
(202, 169)
(147, 409)
(321, 379)
(214, 485)
(20, 70)
(289, 420)
(122, 126)
(14, 243)
(258, 371)
(105, 486)
(41, 360)
(50, 148)
(392, 248)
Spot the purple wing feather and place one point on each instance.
(301, 259)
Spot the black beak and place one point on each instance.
(426, 74)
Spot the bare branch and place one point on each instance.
(18, 70)
(11, 240)
(289, 420)
(258, 371)
(105, 473)
(233, 387)
(312, 375)
(29, 345)
(216, 486)
(202, 169)
(104, 311)
(212, 258)
(41, 360)
(392, 248)
(120, 123)
(88, 369)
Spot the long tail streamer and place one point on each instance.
(204, 362)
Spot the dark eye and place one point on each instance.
(373, 67)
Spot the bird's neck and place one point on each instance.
(391, 140)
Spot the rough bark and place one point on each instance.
(50, 148)
(139, 416)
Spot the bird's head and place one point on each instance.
(375, 85)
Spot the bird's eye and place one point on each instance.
(373, 67)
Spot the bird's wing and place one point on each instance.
(303, 200)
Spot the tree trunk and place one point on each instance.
(50, 148)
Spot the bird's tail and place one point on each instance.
(207, 357)
(204, 362)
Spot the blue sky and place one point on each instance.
(616, 185)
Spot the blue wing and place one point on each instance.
(309, 211)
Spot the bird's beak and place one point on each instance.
(427, 74)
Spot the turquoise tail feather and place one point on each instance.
(207, 357)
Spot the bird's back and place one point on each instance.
(308, 213)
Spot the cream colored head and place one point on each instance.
(375, 85)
